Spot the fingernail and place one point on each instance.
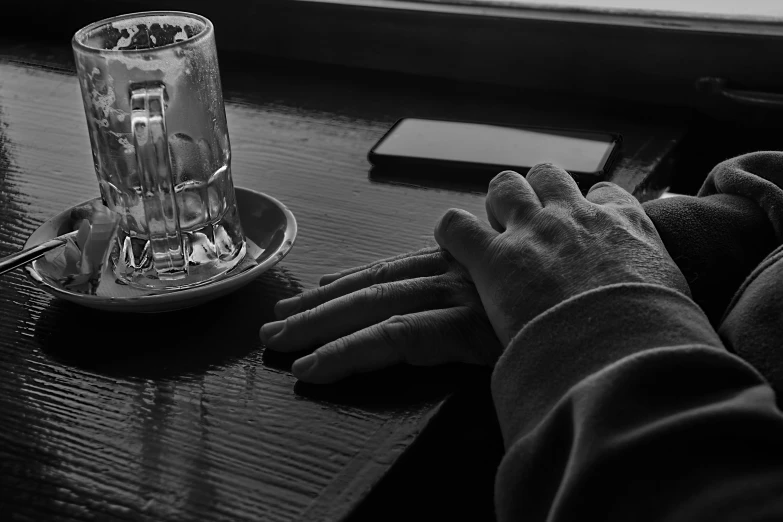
(326, 279)
(270, 329)
(286, 307)
(304, 366)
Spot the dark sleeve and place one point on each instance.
(727, 243)
(622, 404)
(716, 241)
(718, 238)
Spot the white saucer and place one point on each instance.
(270, 231)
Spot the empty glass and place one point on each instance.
(157, 126)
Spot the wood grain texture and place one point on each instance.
(97, 422)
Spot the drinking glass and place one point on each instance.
(157, 126)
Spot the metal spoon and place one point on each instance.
(23, 257)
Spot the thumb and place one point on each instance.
(464, 236)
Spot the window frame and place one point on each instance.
(647, 57)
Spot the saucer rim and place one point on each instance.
(177, 298)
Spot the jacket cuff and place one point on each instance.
(583, 335)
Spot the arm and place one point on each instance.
(616, 397)
(609, 416)
(726, 242)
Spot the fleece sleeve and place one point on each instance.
(720, 236)
(727, 242)
(622, 404)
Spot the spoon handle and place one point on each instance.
(23, 257)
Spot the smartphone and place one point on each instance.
(466, 148)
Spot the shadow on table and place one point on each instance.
(432, 178)
(448, 473)
(455, 180)
(162, 345)
(391, 388)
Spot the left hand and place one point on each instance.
(420, 308)
(548, 243)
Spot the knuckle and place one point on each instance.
(396, 331)
(609, 195)
(298, 320)
(315, 295)
(542, 168)
(379, 272)
(584, 213)
(603, 185)
(321, 293)
(377, 292)
(311, 299)
(643, 222)
(333, 350)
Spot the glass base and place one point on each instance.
(145, 276)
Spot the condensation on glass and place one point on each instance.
(157, 126)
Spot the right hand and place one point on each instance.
(550, 243)
(419, 308)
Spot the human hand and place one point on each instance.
(548, 243)
(420, 308)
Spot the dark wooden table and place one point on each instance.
(97, 424)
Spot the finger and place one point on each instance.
(464, 237)
(509, 198)
(605, 193)
(424, 339)
(432, 263)
(329, 278)
(355, 311)
(553, 185)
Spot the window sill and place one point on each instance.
(619, 55)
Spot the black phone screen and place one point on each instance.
(487, 145)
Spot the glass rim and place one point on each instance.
(80, 35)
